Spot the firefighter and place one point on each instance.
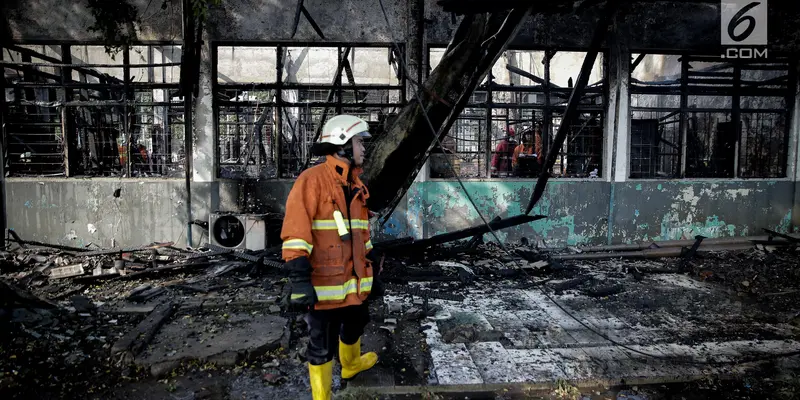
(326, 241)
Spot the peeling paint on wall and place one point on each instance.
(682, 209)
(446, 208)
(786, 223)
(578, 212)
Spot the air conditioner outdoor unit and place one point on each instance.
(238, 231)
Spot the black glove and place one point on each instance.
(378, 290)
(302, 295)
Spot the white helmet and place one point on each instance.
(341, 128)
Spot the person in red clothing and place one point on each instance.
(503, 153)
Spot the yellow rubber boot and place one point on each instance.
(321, 377)
(352, 361)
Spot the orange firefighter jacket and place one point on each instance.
(341, 273)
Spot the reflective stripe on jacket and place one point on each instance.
(342, 275)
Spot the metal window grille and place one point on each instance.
(73, 110)
(703, 117)
(479, 143)
(316, 83)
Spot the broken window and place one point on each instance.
(74, 110)
(266, 126)
(685, 112)
(514, 115)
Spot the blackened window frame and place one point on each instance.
(702, 83)
(548, 112)
(68, 92)
(338, 88)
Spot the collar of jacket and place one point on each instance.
(339, 169)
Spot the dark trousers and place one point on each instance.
(328, 326)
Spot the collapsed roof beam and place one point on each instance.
(87, 71)
(397, 156)
(574, 101)
(475, 231)
(301, 8)
(467, 7)
(531, 76)
(638, 60)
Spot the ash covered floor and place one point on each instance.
(456, 322)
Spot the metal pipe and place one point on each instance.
(187, 123)
(653, 253)
(126, 128)
(2, 161)
(61, 65)
(96, 103)
(98, 86)
(674, 243)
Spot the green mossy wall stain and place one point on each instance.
(661, 211)
(447, 202)
(786, 223)
(673, 229)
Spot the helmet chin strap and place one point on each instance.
(346, 152)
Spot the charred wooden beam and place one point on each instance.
(531, 76)
(460, 7)
(297, 12)
(495, 225)
(637, 61)
(301, 9)
(312, 22)
(781, 235)
(137, 339)
(397, 156)
(574, 100)
(85, 70)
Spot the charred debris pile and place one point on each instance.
(81, 313)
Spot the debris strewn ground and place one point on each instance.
(162, 322)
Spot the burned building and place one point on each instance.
(646, 132)
(653, 154)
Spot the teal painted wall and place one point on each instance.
(646, 211)
(579, 211)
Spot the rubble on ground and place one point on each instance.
(97, 322)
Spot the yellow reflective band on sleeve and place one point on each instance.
(296, 296)
(297, 244)
(336, 293)
(359, 224)
(366, 285)
(323, 225)
(330, 224)
(368, 245)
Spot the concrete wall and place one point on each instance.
(70, 20)
(661, 25)
(249, 20)
(77, 212)
(681, 209)
(647, 25)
